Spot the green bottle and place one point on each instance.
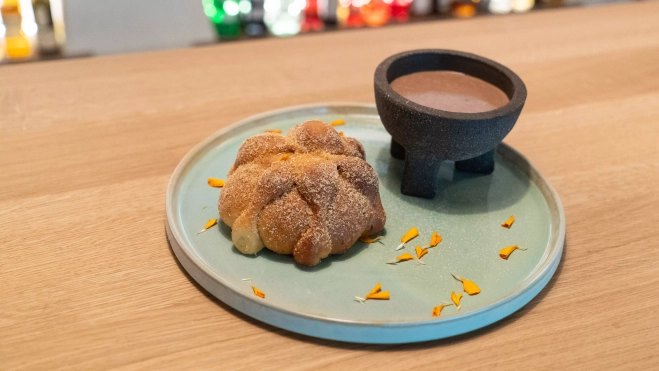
(225, 16)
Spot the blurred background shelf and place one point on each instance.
(41, 30)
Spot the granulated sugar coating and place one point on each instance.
(309, 193)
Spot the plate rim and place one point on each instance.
(241, 301)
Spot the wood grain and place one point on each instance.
(87, 147)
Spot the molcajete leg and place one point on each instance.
(419, 175)
(483, 164)
(397, 150)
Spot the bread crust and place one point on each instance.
(309, 193)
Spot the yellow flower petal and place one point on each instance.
(214, 182)
(435, 239)
(436, 311)
(413, 232)
(383, 295)
(375, 294)
(469, 287)
(258, 292)
(210, 223)
(420, 252)
(509, 223)
(404, 257)
(455, 298)
(338, 122)
(371, 240)
(505, 252)
(376, 289)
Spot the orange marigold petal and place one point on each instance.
(435, 239)
(455, 298)
(420, 252)
(210, 223)
(383, 295)
(214, 182)
(413, 232)
(470, 287)
(505, 252)
(370, 240)
(405, 257)
(258, 292)
(376, 289)
(436, 311)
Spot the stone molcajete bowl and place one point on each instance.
(424, 136)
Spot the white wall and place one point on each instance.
(124, 26)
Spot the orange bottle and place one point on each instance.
(20, 30)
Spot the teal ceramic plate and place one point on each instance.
(467, 211)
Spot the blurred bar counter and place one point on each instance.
(38, 30)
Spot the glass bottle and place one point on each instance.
(464, 8)
(444, 6)
(2, 39)
(283, 17)
(500, 6)
(46, 29)
(421, 7)
(20, 29)
(522, 6)
(327, 11)
(311, 21)
(224, 15)
(354, 14)
(400, 10)
(375, 13)
(251, 17)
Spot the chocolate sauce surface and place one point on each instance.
(450, 91)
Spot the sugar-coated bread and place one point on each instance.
(309, 193)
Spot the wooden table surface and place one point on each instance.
(88, 281)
